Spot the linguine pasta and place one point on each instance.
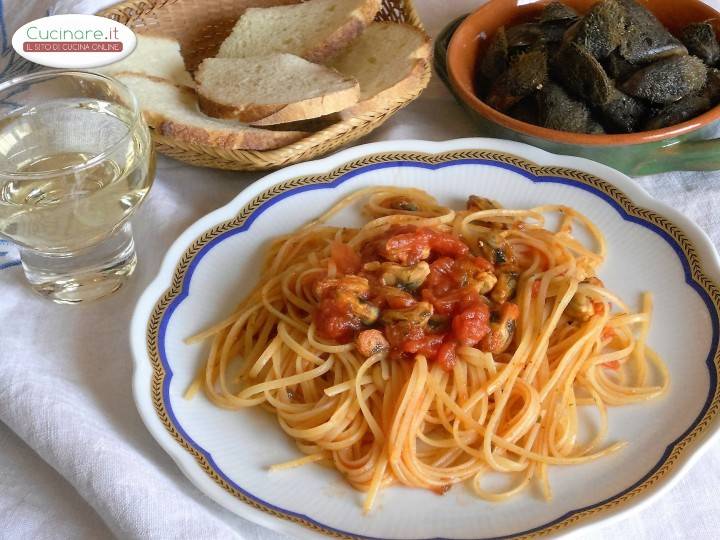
(432, 346)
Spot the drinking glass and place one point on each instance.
(76, 161)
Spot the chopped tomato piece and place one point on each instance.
(345, 258)
(447, 355)
(373, 249)
(471, 325)
(428, 346)
(599, 308)
(614, 365)
(400, 332)
(407, 248)
(411, 339)
(410, 247)
(334, 320)
(440, 279)
(447, 244)
(454, 300)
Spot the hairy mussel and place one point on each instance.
(495, 60)
(617, 67)
(581, 73)
(614, 69)
(700, 40)
(601, 30)
(667, 80)
(645, 39)
(557, 110)
(680, 111)
(622, 113)
(526, 74)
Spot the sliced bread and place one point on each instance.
(388, 60)
(273, 89)
(316, 30)
(173, 111)
(156, 56)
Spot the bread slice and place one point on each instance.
(274, 89)
(156, 56)
(173, 111)
(316, 30)
(388, 60)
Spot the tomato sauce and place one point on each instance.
(460, 315)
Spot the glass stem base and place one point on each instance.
(79, 276)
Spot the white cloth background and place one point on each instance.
(76, 461)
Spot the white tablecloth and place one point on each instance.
(76, 461)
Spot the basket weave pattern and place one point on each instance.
(200, 27)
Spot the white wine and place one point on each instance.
(76, 160)
(79, 169)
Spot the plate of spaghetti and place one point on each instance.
(415, 340)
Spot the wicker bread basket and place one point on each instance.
(200, 26)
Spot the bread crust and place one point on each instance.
(345, 34)
(267, 114)
(395, 94)
(214, 104)
(229, 138)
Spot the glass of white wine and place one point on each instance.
(76, 161)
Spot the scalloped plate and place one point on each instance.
(214, 263)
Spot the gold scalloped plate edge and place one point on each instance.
(703, 268)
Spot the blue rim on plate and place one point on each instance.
(182, 276)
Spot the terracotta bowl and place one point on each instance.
(685, 146)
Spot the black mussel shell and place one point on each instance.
(560, 111)
(601, 30)
(700, 40)
(646, 39)
(557, 11)
(526, 74)
(582, 75)
(680, 111)
(711, 90)
(667, 80)
(525, 35)
(495, 60)
(617, 67)
(622, 113)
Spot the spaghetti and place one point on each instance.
(433, 346)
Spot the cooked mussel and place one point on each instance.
(711, 90)
(581, 73)
(614, 68)
(526, 74)
(645, 39)
(622, 113)
(700, 40)
(601, 30)
(617, 67)
(667, 80)
(558, 110)
(495, 60)
(525, 35)
(525, 110)
(680, 111)
(555, 19)
(557, 12)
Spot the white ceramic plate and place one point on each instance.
(214, 264)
